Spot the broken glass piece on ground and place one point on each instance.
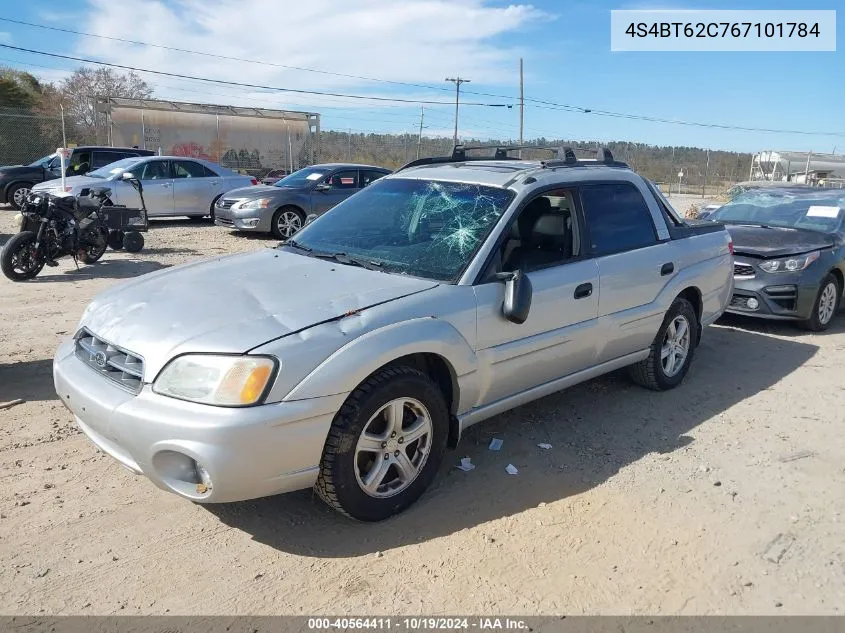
(495, 444)
(512, 470)
(544, 446)
(466, 464)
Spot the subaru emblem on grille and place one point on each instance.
(100, 359)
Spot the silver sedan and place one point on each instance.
(173, 185)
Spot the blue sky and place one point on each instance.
(565, 44)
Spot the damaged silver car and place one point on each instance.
(351, 357)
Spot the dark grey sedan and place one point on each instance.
(281, 208)
(789, 246)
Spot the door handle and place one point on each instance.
(667, 269)
(583, 291)
(166, 185)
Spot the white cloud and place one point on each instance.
(418, 41)
(5, 37)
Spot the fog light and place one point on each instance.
(250, 222)
(752, 303)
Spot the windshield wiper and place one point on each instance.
(296, 245)
(349, 260)
(762, 226)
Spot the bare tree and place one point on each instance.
(78, 94)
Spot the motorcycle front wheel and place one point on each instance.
(20, 260)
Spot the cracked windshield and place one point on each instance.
(416, 227)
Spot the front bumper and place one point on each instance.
(252, 220)
(779, 296)
(247, 452)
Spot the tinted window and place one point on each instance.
(101, 159)
(154, 170)
(368, 176)
(190, 169)
(117, 168)
(343, 180)
(617, 218)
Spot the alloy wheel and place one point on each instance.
(393, 447)
(827, 303)
(20, 196)
(676, 345)
(288, 223)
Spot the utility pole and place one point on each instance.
(521, 101)
(349, 147)
(457, 81)
(419, 138)
(706, 169)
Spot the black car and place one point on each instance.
(16, 181)
(789, 249)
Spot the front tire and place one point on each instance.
(286, 222)
(19, 259)
(825, 306)
(94, 252)
(672, 350)
(17, 194)
(385, 445)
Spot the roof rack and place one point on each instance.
(459, 155)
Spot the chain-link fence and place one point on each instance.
(26, 136)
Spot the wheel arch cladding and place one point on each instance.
(693, 295)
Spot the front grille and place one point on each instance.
(226, 203)
(123, 368)
(742, 269)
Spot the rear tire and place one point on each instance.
(96, 251)
(672, 350)
(385, 445)
(825, 306)
(115, 239)
(18, 261)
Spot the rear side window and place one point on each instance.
(368, 176)
(617, 218)
(103, 158)
(190, 169)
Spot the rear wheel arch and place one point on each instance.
(840, 278)
(693, 295)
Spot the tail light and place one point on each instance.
(254, 181)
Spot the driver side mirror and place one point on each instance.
(323, 186)
(128, 176)
(518, 293)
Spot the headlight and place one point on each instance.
(789, 264)
(227, 381)
(261, 203)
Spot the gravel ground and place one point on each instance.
(724, 496)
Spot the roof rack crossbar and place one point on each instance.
(564, 156)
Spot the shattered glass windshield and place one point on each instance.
(427, 229)
(818, 210)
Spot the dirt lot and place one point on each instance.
(723, 496)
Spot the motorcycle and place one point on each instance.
(53, 226)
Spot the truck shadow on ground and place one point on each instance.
(103, 269)
(595, 429)
(30, 380)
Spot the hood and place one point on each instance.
(71, 181)
(235, 303)
(261, 191)
(22, 170)
(775, 242)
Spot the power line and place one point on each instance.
(226, 57)
(246, 85)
